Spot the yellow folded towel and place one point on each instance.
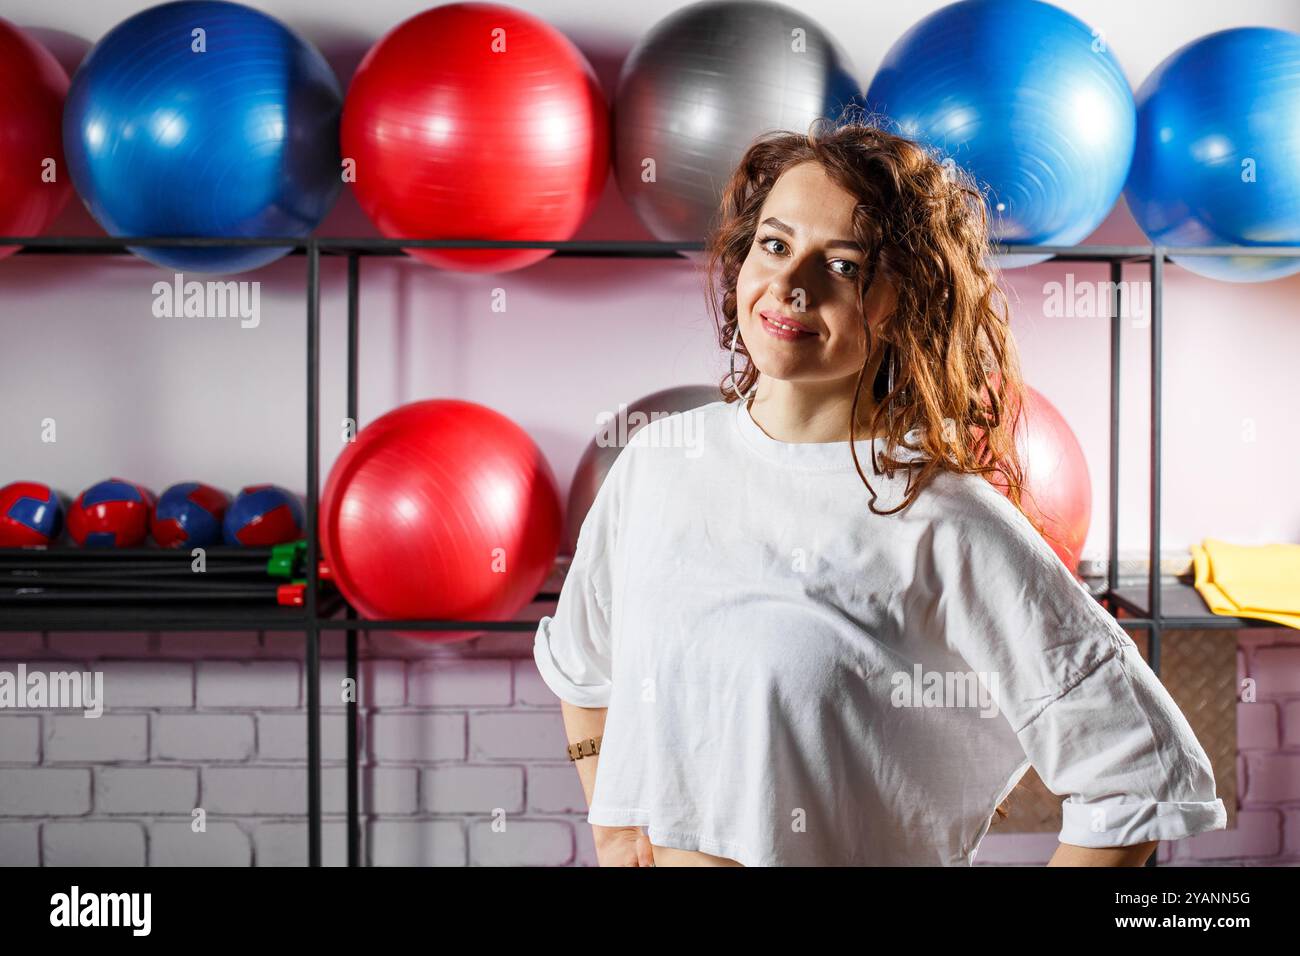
(1259, 581)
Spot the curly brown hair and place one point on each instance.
(924, 223)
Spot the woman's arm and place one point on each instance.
(1090, 714)
(579, 724)
(1067, 854)
(615, 846)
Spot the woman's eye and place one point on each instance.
(850, 272)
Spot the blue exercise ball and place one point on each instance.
(1029, 100)
(204, 118)
(1218, 151)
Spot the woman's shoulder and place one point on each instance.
(981, 515)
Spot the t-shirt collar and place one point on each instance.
(832, 456)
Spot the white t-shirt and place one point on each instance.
(794, 680)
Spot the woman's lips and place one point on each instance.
(786, 335)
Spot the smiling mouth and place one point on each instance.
(784, 329)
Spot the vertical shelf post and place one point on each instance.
(1116, 335)
(354, 774)
(1153, 545)
(313, 568)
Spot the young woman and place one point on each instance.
(768, 658)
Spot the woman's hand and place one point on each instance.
(622, 846)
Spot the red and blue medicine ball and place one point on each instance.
(189, 515)
(263, 515)
(31, 515)
(111, 514)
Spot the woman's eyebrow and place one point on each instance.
(834, 243)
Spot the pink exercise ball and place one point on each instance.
(1057, 493)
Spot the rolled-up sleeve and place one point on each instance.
(572, 652)
(1092, 717)
(573, 646)
(1118, 745)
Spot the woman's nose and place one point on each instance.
(788, 282)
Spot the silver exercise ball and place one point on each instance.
(700, 87)
(599, 457)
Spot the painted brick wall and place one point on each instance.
(463, 757)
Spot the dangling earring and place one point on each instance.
(893, 364)
(731, 383)
(884, 382)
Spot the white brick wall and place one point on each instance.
(205, 737)
(380, 683)
(454, 739)
(149, 683)
(418, 843)
(417, 736)
(253, 684)
(515, 735)
(473, 790)
(41, 792)
(21, 740)
(137, 790)
(521, 842)
(72, 738)
(284, 843)
(92, 843)
(218, 844)
(20, 844)
(459, 683)
(253, 791)
(283, 736)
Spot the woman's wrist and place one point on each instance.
(602, 833)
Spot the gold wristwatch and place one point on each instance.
(585, 748)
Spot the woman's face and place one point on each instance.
(802, 270)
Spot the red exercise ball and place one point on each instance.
(476, 121)
(441, 509)
(33, 87)
(1057, 492)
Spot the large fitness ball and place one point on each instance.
(1029, 100)
(34, 185)
(1218, 151)
(1057, 493)
(476, 121)
(700, 87)
(441, 509)
(615, 432)
(204, 118)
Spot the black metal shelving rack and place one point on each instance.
(1150, 605)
